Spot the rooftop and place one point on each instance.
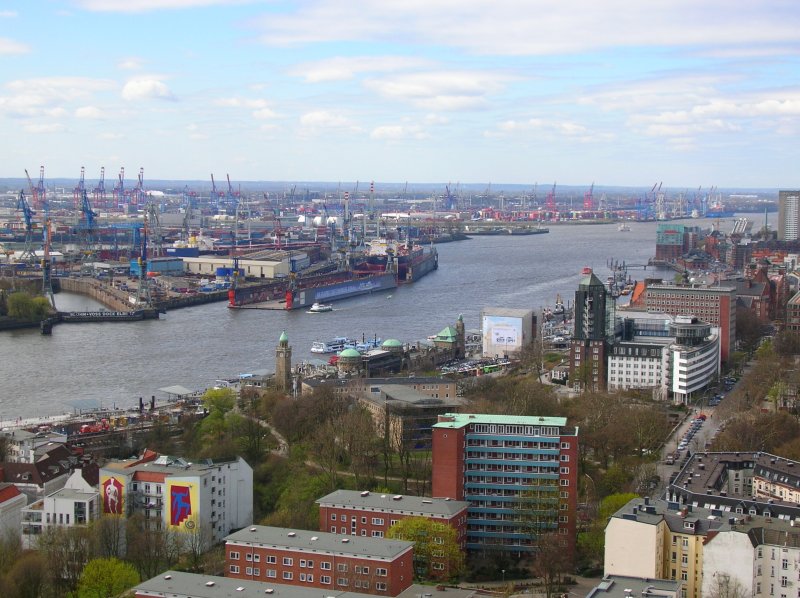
(175, 584)
(397, 503)
(620, 586)
(320, 542)
(459, 420)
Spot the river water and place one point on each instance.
(112, 364)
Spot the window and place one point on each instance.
(325, 579)
(363, 520)
(272, 573)
(248, 570)
(333, 516)
(310, 564)
(310, 578)
(271, 560)
(565, 458)
(256, 571)
(302, 577)
(365, 570)
(565, 470)
(302, 562)
(234, 568)
(248, 557)
(288, 561)
(684, 576)
(341, 581)
(256, 558)
(438, 566)
(381, 572)
(377, 534)
(333, 529)
(380, 586)
(234, 556)
(325, 565)
(342, 567)
(784, 581)
(287, 575)
(564, 482)
(377, 521)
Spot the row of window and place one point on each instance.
(304, 563)
(354, 519)
(517, 430)
(308, 577)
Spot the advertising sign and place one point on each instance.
(182, 505)
(112, 490)
(503, 331)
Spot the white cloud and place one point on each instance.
(324, 119)
(10, 47)
(343, 68)
(146, 89)
(549, 128)
(259, 108)
(90, 112)
(8, 14)
(444, 90)
(35, 127)
(510, 27)
(130, 64)
(135, 6)
(48, 96)
(396, 132)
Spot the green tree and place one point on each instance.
(592, 542)
(105, 578)
(22, 306)
(28, 576)
(437, 554)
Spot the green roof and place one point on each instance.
(350, 353)
(459, 420)
(391, 342)
(447, 335)
(283, 337)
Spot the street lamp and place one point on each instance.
(503, 571)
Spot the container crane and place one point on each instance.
(232, 198)
(138, 195)
(550, 201)
(77, 192)
(119, 188)
(99, 192)
(27, 213)
(86, 227)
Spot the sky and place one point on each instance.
(685, 92)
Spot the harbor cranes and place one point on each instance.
(80, 189)
(99, 192)
(119, 188)
(588, 199)
(550, 201)
(23, 206)
(86, 228)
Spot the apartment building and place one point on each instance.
(370, 514)
(505, 467)
(214, 497)
(328, 562)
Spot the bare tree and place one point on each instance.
(109, 536)
(724, 586)
(550, 562)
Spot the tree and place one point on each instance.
(28, 575)
(150, 550)
(22, 306)
(109, 532)
(66, 550)
(437, 554)
(592, 542)
(106, 578)
(550, 561)
(724, 586)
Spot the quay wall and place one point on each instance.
(101, 292)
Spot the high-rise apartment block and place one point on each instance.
(788, 215)
(519, 475)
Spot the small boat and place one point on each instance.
(624, 227)
(332, 346)
(318, 308)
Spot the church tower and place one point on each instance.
(283, 364)
(461, 343)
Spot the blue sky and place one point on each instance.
(518, 91)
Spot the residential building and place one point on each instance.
(371, 514)
(788, 215)
(621, 586)
(694, 356)
(12, 501)
(47, 473)
(23, 446)
(211, 496)
(77, 503)
(320, 560)
(594, 329)
(793, 314)
(505, 467)
(713, 304)
(177, 584)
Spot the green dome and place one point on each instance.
(349, 353)
(283, 337)
(391, 342)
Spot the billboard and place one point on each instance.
(183, 504)
(112, 491)
(503, 332)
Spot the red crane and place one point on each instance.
(588, 199)
(119, 188)
(99, 192)
(550, 200)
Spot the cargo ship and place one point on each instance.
(306, 291)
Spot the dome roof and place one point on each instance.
(283, 337)
(349, 353)
(391, 342)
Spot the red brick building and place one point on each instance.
(320, 560)
(505, 467)
(368, 514)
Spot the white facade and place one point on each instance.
(693, 368)
(730, 553)
(647, 366)
(252, 268)
(11, 510)
(634, 548)
(216, 497)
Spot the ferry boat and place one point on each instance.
(318, 308)
(624, 227)
(338, 343)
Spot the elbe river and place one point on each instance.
(113, 364)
